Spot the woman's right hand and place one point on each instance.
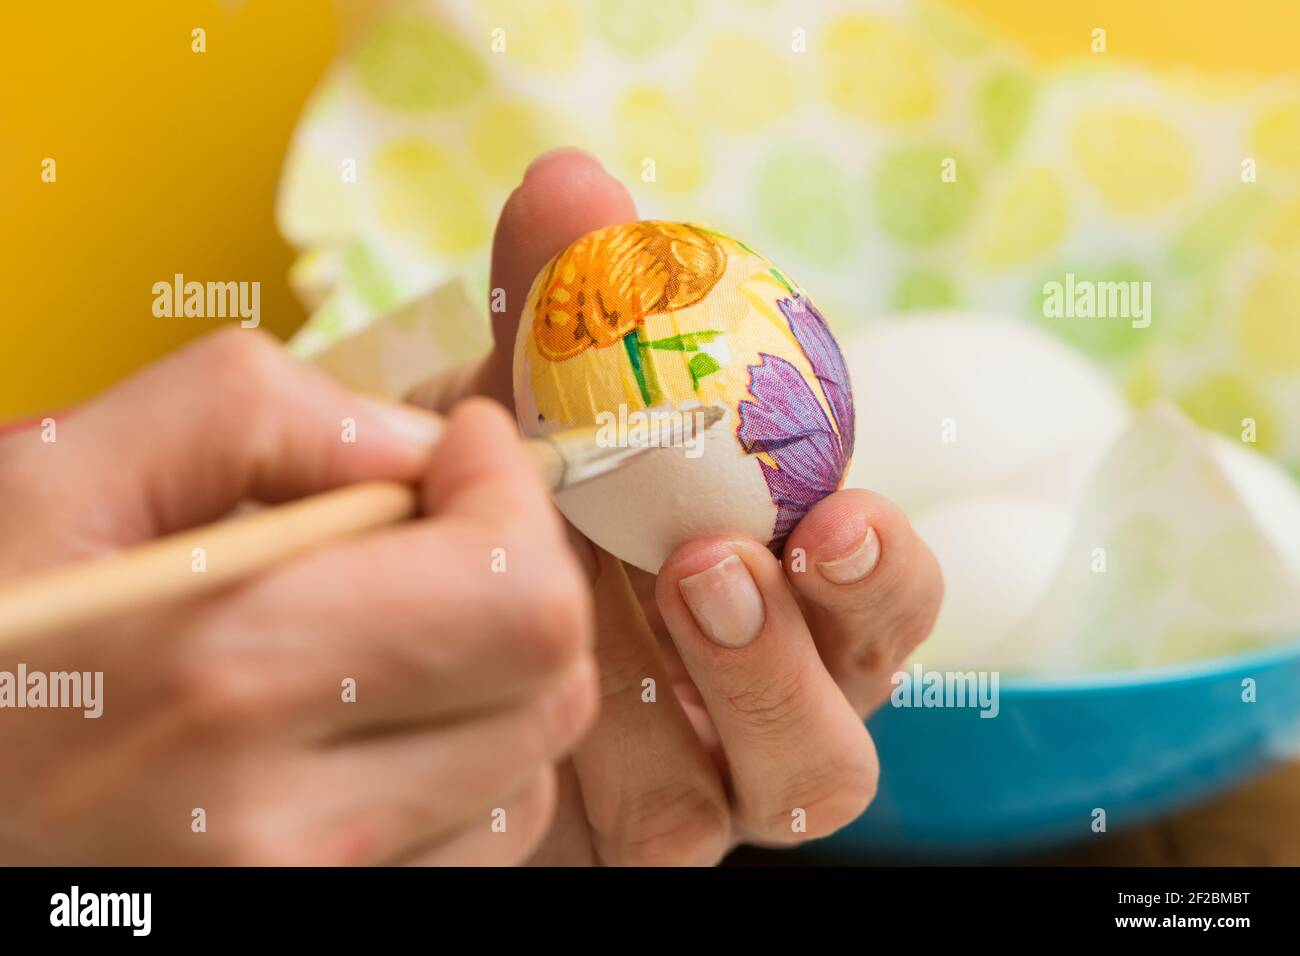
(226, 734)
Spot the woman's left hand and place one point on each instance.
(752, 730)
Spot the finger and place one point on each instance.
(653, 796)
(486, 476)
(505, 835)
(565, 194)
(801, 762)
(231, 417)
(871, 589)
(468, 608)
(396, 794)
(568, 839)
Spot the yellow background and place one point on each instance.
(168, 160)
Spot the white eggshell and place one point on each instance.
(998, 557)
(950, 403)
(718, 493)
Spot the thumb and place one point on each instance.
(565, 194)
(229, 418)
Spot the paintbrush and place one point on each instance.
(165, 569)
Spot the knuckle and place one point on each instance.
(555, 617)
(215, 698)
(916, 618)
(246, 826)
(825, 798)
(250, 357)
(537, 734)
(535, 811)
(565, 719)
(244, 848)
(262, 839)
(247, 353)
(769, 705)
(681, 823)
(259, 830)
(910, 623)
(624, 665)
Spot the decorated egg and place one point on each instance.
(635, 325)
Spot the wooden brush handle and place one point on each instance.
(165, 568)
(173, 567)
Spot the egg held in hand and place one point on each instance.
(634, 324)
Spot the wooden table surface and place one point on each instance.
(1257, 825)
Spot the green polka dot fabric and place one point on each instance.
(895, 156)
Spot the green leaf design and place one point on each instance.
(686, 342)
(701, 365)
(789, 286)
(633, 349)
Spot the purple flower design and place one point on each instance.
(789, 424)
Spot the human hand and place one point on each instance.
(230, 710)
(772, 664)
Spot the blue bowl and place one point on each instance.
(1138, 745)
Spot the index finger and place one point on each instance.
(471, 608)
